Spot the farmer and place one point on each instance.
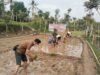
(58, 37)
(50, 40)
(21, 52)
(54, 34)
(68, 34)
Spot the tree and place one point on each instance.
(18, 8)
(40, 13)
(57, 15)
(51, 19)
(7, 19)
(46, 15)
(80, 24)
(67, 16)
(46, 18)
(69, 10)
(89, 24)
(34, 5)
(92, 4)
(11, 9)
(1, 7)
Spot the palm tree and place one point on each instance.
(11, 8)
(34, 5)
(57, 15)
(67, 16)
(69, 10)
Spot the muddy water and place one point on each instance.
(72, 47)
(44, 64)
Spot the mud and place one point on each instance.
(67, 59)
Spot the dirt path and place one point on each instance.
(47, 64)
(88, 61)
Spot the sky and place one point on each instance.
(77, 6)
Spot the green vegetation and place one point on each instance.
(78, 33)
(97, 52)
(17, 26)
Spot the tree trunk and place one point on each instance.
(40, 26)
(74, 26)
(12, 15)
(45, 26)
(93, 40)
(22, 27)
(32, 12)
(6, 28)
(86, 30)
(98, 36)
(91, 31)
(16, 17)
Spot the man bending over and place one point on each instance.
(21, 51)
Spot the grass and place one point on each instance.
(29, 25)
(78, 33)
(97, 52)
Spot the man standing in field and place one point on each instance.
(21, 52)
(54, 34)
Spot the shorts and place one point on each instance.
(50, 41)
(20, 57)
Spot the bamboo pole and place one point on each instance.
(93, 53)
(98, 35)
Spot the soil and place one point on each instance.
(49, 64)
